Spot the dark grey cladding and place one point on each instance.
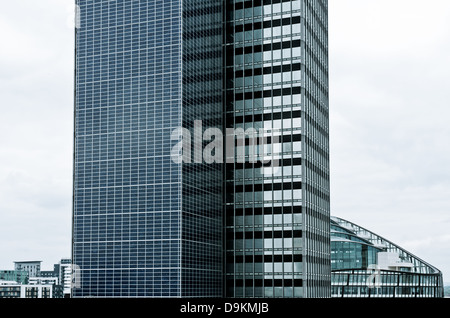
(277, 220)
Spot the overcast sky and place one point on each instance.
(389, 114)
(389, 117)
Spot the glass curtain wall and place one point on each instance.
(277, 219)
(143, 224)
(202, 204)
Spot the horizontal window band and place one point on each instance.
(263, 48)
(267, 187)
(265, 234)
(263, 117)
(263, 25)
(247, 141)
(267, 70)
(266, 282)
(267, 258)
(264, 211)
(252, 4)
(231, 96)
(257, 165)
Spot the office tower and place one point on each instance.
(145, 225)
(155, 76)
(367, 265)
(277, 220)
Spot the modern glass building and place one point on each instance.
(277, 218)
(367, 265)
(143, 224)
(147, 73)
(18, 276)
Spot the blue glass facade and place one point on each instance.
(135, 233)
(145, 225)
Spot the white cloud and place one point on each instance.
(389, 113)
